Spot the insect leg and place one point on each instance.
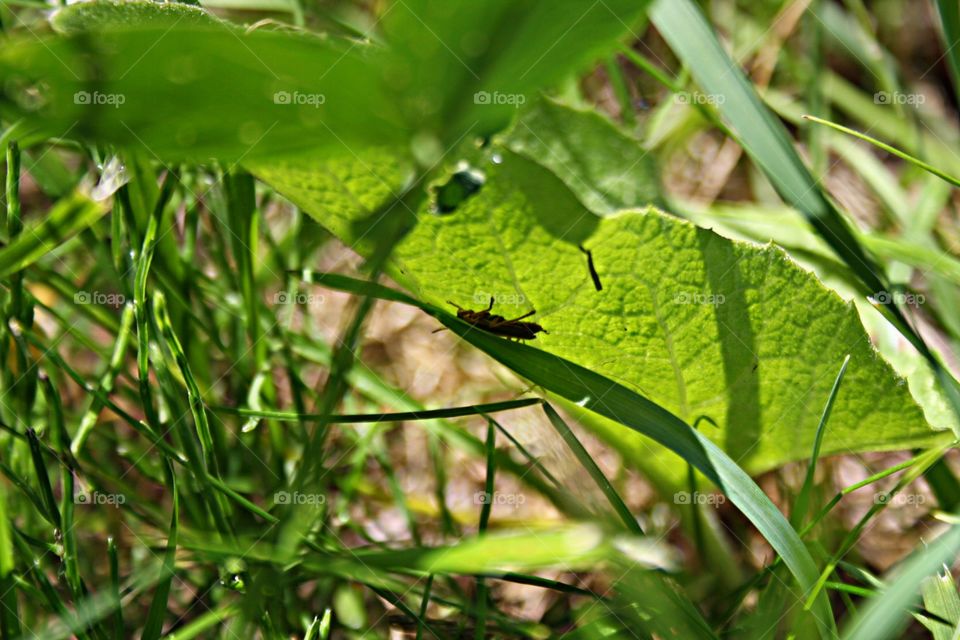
(593, 271)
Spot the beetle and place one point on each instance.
(498, 325)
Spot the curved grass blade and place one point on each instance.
(886, 147)
(43, 478)
(69, 216)
(427, 414)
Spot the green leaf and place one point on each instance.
(348, 607)
(886, 613)
(606, 168)
(940, 597)
(182, 88)
(100, 14)
(67, 218)
(654, 326)
(570, 547)
(123, 74)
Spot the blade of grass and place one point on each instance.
(61, 443)
(118, 629)
(880, 502)
(424, 603)
(803, 498)
(43, 479)
(122, 341)
(486, 506)
(886, 147)
(153, 626)
(204, 623)
(141, 302)
(9, 607)
(197, 409)
(588, 463)
(950, 21)
(427, 414)
(67, 218)
(690, 36)
(13, 223)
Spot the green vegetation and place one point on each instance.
(237, 400)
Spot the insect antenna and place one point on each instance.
(526, 315)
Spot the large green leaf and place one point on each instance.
(185, 87)
(698, 323)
